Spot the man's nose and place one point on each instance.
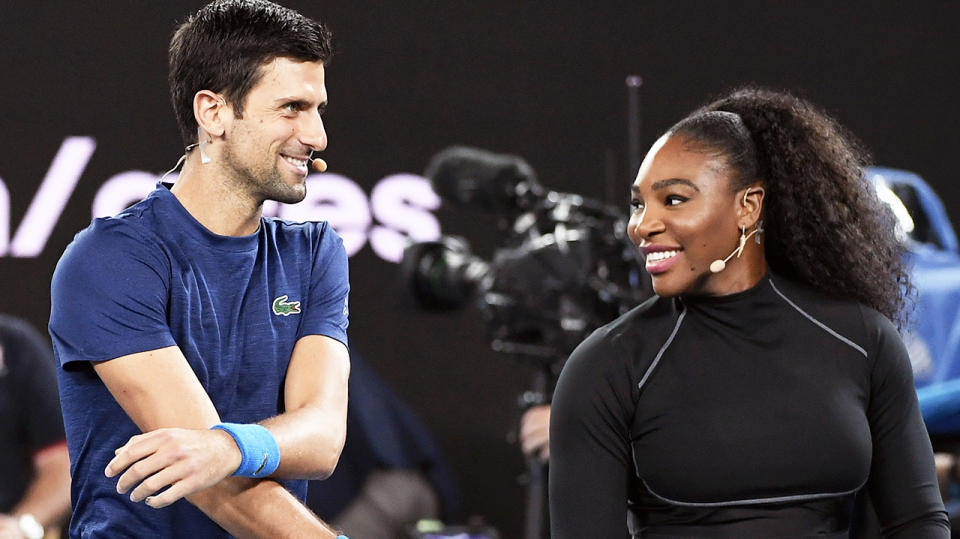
(312, 132)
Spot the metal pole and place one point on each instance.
(536, 518)
(634, 82)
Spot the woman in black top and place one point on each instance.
(765, 385)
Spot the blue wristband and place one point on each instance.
(259, 452)
(342, 537)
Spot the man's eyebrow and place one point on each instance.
(297, 101)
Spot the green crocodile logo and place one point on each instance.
(284, 308)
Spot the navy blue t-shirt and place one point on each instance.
(153, 277)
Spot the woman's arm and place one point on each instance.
(590, 462)
(903, 481)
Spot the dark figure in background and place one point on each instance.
(189, 317)
(764, 386)
(391, 473)
(34, 463)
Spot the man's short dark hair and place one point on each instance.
(223, 46)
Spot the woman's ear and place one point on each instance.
(751, 207)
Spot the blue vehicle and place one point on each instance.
(933, 334)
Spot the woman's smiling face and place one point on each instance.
(686, 215)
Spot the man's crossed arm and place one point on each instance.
(161, 394)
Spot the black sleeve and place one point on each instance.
(35, 373)
(903, 482)
(590, 463)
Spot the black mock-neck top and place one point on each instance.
(757, 414)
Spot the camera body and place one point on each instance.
(565, 268)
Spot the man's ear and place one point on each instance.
(210, 111)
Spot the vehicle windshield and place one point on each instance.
(912, 222)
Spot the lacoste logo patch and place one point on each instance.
(285, 308)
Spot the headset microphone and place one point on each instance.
(318, 164)
(719, 265)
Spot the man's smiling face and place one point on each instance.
(267, 149)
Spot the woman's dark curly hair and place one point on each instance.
(824, 224)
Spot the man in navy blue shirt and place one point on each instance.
(202, 346)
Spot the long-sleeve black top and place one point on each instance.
(758, 414)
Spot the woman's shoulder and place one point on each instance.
(601, 373)
(645, 321)
(807, 296)
(856, 321)
(621, 344)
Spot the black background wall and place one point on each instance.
(541, 79)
